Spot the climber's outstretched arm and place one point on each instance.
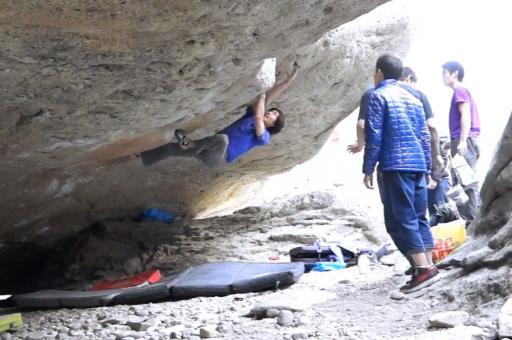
(276, 90)
(259, 113)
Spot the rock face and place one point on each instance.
(484, 261)
(448, 319)
(505, 320)
(86, 84)
(114, 249)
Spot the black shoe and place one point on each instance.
(183, 140)
(409, 271)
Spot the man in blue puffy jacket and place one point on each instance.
(398, 140)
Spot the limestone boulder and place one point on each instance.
(483, 280)
(87, 84)
(505, 320)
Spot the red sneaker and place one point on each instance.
(409, 271)
(421, 278)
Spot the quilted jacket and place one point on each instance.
(396, 133)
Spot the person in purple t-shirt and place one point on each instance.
(251, 130)
(464, 124)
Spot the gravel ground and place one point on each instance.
(343, 304)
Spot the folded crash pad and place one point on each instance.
(158, 291)
(223, 278)
(211, 279)
(55, 298)
(65, 298)
(10, 322)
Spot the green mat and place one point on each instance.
(10, 322)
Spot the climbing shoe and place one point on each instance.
(183, 140)
(421, 278)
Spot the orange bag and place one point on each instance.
(447, 237)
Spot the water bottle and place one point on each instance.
(318, 250)
(363, 262)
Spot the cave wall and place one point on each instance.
(481, 276)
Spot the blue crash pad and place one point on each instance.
(210, 279)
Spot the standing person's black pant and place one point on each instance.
(470, 209)
(437, 197)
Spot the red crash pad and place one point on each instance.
(151, 276)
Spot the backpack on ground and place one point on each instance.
(323, 252)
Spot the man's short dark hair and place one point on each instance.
(408, 72)
(390, 66)
(278, 124)
(453, 66)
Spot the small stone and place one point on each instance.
(62, 329)
(76, 332)
(397, 295)
(285, 318)
(46, 71)
(110, 322)
(138, 326)
(272, 313)
(28, 60)
(36, 336)
(208, 332)
(101, 316)
(75, 325)
(505, 320)
(301, 335)
(448, 319)
(303, 320)
(152, 322)
(63, 336)
(121, 334)
(187, 332)
(6, 336)
(225, 327)
(141, 312)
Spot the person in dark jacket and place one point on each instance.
(438, 184)
(397, 139)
